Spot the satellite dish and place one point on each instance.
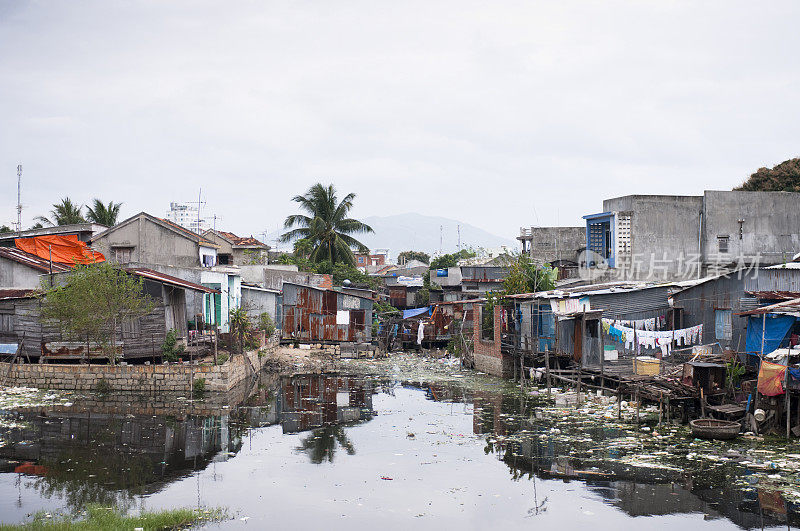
(346, 283)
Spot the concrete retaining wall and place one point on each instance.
(143, 379)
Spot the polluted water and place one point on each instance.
(397, 442)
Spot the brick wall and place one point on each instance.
(144, 379)
(488, 356)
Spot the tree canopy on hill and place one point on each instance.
(785, 177)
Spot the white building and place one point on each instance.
(187, 216)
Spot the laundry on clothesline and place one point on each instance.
(653, 339)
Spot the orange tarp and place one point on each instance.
(770, 378)
(66, 249)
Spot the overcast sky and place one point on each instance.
(499, 114)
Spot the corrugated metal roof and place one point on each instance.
(169, 279)
(16, 293)
(31, 260)
(326, 289)
(788, 265)
(592, 289)
(789, 307)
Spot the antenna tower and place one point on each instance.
(19, 199)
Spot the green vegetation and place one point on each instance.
(94, 301)
(103, 214)
(380, 307)
(102, 387)
(451, 260)
(407, 256)
(222, 357)
(102, 518)
(198, 388)
(64, 213)
(785, 177)
(5, 229)
(266, 324)
(326, 229)
(170, 348)
(524, 276)
(241, 329)
(339, 272)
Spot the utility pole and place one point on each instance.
(441, 232)
(459, 237)
(19, 199)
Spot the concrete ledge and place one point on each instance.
(142, 379)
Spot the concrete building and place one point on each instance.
(468, 282)
(147, 239)
(557, 246)
(257, 300)
(643, 237)
(22, 270)
(273, 276)
(237, 250)
(187, 215)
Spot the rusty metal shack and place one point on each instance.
(445, 314)
(320, 315)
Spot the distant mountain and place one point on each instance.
(415, 232)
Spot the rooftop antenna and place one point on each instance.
(19, 199)
(459, 237)
(441, 230)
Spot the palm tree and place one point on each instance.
(64, 213)
(320, 445)
(326, 226)
(103, 214)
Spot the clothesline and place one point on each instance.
(651, 338)
(653, 323)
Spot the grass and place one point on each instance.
(102, 518)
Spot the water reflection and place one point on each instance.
(115, 452)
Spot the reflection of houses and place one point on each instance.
(312, 401)
(140, 338)
(140, 452)
(322, 315)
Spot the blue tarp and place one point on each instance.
(8, 348)
(775, 330)
(415, 312)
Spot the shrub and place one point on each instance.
(170, 348)
(266, 324)
(198, 387)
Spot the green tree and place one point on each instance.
(64, 213)
(5, 229)
(785, 177)
(326, 225)
(451, 260)
(525, 276)
(103, 214)
(94, 301)
(407, 256)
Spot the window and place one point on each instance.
(224, 259)
(722, 244)
(122, 255)
(6, 322)
(722, 325)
